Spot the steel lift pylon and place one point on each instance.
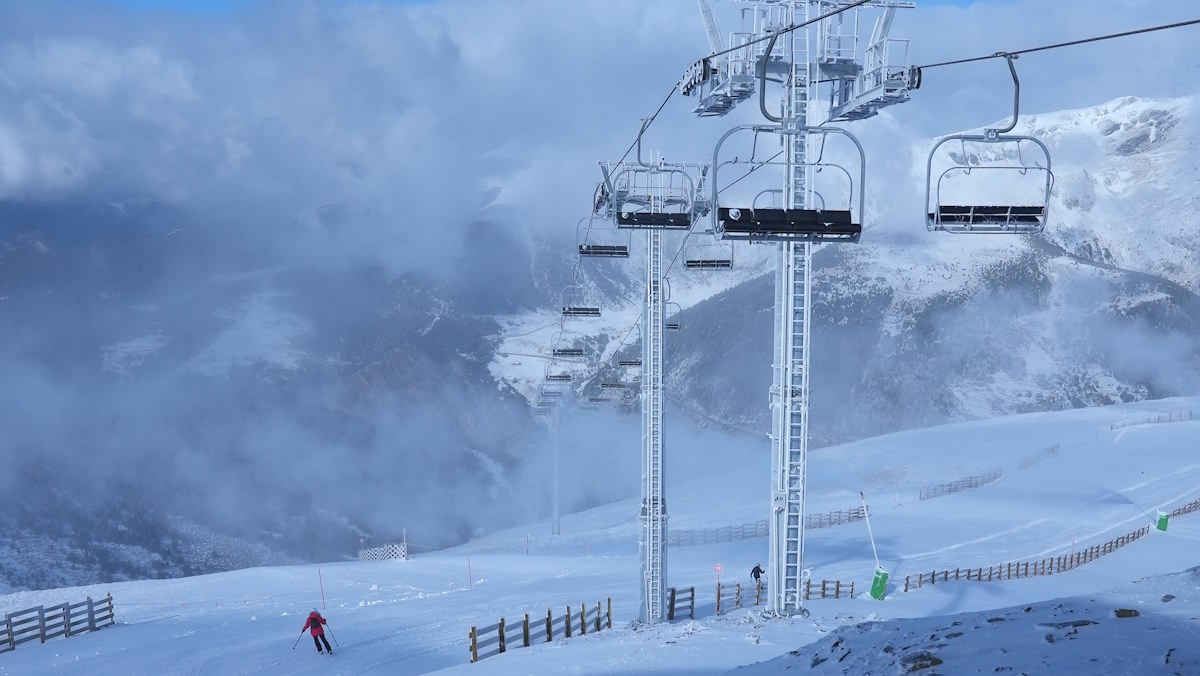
(652, 196)
(823, 51)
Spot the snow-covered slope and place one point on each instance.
(1112, 469)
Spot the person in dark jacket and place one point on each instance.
(313, 624)
(756, 572)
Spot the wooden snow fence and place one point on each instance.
(757, 529)
(1031, 460)
(504, 635)
(1018, 569)
(681, 602)
(712, 536)
(1048, 566)
(960, 485)
(678, 599)
(830, 519)
(1178, 416)
(66, 620)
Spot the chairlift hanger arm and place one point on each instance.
(994, 133)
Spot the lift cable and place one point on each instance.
(1000, 55)
(789, 29)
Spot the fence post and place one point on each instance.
(610, 612)
(549, 626)
(852, 589)
(737, 599)
(823, 584)
(67, 620)
(91, 614)
(568, 621)
(502, 634)
(692, 604)
(112, 615)
(905, 583)
(808, 589)
(837, 589)
(757, 591)
(599, 614)
(582, 619)
(956, 574)
(526, 630)
(670, 604)
(474, 646)
(8, 631)
(42, 622)
(718, 597)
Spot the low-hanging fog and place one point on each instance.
(252, 263)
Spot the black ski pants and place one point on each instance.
(318, 639)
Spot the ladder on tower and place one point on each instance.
(654, 508)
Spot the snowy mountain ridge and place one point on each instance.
(1014, 323)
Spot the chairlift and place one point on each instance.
(717, 256)
(649, 196)
(800, 224)
(613, 386)
(566, 344)
(671, 323)
(797, 223)
(990, 183)
(600, 239)
(629, 362)
(558, 376)
(572, 304)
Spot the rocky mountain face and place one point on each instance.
(182, 399)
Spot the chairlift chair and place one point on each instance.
(649, 195)
(630, 362)
(671, 323)
(572, 304)
(717, 256)
(996, 183)
(559, 377)
(601, 239)
(799, 224)
(566, 344)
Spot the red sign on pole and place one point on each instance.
(717, 568)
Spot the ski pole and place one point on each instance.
(332, 636)
(298, 640)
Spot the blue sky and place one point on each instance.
(221, 6)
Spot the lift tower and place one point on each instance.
(818, 44)
(655, 197)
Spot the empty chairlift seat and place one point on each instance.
(816, 225)
(708, 257)
(604, 250)
(803, 217)
(654, 220)
(987, 218)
